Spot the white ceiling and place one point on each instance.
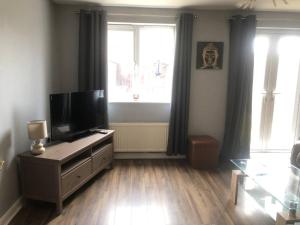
(261, 5)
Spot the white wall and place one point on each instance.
(26, 69)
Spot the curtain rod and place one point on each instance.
(138, 15)
(128, 14)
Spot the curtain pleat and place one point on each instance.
(236, 142)
(178, 124)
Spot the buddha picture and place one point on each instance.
(209, 55)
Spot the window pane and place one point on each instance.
(261, 48)
(282, 133)
(120, 64)
(140, 66)
(156, 55)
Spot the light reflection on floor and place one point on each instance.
(135, 215)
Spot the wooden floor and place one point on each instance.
(151, 192)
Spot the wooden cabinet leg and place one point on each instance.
(59, 207)
(235, 177)
(110, 166)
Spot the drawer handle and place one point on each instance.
(78, 176)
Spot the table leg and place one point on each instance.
(235, 177)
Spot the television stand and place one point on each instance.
(56, 174)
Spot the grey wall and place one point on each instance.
(26, 68)
(209, 87)
(138, 112)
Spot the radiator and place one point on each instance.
(140, 137)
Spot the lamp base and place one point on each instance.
(37, 148)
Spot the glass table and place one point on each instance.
(281, 181)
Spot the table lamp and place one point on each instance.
(37, 130)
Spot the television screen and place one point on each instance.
(76, 113)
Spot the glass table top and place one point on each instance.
(279, 180)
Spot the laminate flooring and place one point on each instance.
(151, 192)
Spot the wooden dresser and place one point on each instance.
(64, 168)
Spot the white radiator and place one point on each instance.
(140, 137)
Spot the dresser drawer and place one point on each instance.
(76, 176)
(102, 157)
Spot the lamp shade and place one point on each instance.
(37, 129)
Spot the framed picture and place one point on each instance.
(210, 55)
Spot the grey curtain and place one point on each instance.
(178, 124)
(92, 71)
(236, 142)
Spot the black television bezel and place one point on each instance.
(74, 135)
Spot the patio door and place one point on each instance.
(275, 103)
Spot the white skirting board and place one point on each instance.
(11, 212)
(140, 137)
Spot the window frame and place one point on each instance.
(135, 27)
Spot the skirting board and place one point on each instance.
(11, 212)
(145, 155)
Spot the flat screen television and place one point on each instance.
(75, 114)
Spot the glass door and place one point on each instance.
(275, 92)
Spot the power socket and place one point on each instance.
(1, 164)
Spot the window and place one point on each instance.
(275, 101)
(140, 62)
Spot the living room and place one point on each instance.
(222, 63)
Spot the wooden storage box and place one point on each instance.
(203, 152)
